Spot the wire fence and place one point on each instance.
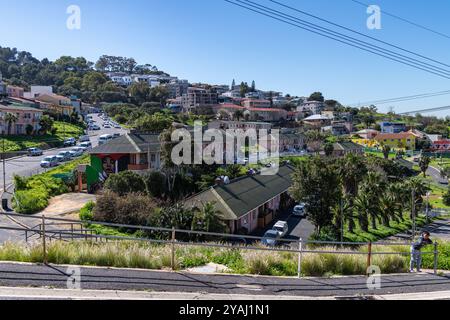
(46, 229)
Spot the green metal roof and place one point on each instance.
(130, 143)
(245, 194)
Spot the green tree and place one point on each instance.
(140, 92)
(10, 119)
(238, 115)
(125, 182)
(328, 149)
(29, 129)
(316, 96)
(424, 163)
(351, 169)
(316, 183)
(386, 151)
(208, 219)
(46, 123)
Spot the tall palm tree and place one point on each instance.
(10, 118)
(373, 187)
(390, 207)
(352, 169)
(363, 207)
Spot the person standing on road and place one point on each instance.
(416, 255)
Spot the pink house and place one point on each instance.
(25, 115)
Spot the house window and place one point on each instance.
(153, 158)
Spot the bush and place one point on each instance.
(155, 184)
(125, 182)
(86, 213)
(30, 201)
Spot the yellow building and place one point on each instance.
(404, 140)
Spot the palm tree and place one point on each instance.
(390, 205)
(386, 150)
(363, 207)
(238, 115)
(208, 219)
(424, 163)
(352, 169)
(373, 188)
(10, 118)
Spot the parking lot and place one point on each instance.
(298, 228)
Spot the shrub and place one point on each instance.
(20, 183)
(30, 201)
(132, 209)
(86, 213)
(155, 183)
(125, 182)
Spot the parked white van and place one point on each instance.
(104, 139)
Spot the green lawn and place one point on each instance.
(379, 154)
(21, 143)
(382, 232)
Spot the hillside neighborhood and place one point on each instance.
(94, 143)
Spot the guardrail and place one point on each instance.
(71, 230)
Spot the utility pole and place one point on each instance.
(4, 164)
(342, 221)
(413, 213)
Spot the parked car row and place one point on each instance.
(63, 156)
(280, 229)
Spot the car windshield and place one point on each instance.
(278, 228)
(270, 235)
(48, 159)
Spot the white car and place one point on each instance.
(63, 156)
(76, 152)
(281, 227)
(299, 210)
(271, 238)
(84, 139)
(85, 145)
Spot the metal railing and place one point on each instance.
(62, 229)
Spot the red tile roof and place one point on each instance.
(402, 135)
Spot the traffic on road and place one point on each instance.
(37, 161)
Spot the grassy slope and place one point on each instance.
(147, 256)
(64, 130)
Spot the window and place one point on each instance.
(153, 158)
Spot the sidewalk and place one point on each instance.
(70, 294)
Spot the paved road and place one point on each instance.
(28, 166)
(27, 275)
(435, 174)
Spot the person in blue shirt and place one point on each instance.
(416, 255)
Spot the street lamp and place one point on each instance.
(428, 204)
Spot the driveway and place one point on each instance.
(298, 228)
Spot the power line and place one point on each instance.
(337, 37)
(405, 20)
(426, 110)
(405, 98)
(351, 39)
(359, 33)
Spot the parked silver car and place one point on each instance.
(49, 161)
(35, 152)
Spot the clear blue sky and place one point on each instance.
(213, 41)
